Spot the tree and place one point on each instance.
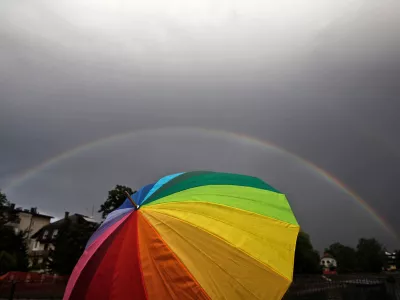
(13, 252)
(370, 255)
(69, 246)
(13, 249)
(116, 197)
(345, 256)
(3, 199)
(8, 262)
(306, 258)
(7, 213)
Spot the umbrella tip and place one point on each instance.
(133, 202)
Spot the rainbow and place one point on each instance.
(30, 173)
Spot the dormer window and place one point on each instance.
(55, 233)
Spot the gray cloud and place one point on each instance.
(320, 80)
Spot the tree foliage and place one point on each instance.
(13, 249)
(69, 246)
(3, 199)
(306, 258)
(397, 259)
(345, 256)
(7, 213)
(115, 198)
(8, 262)
(370, 255)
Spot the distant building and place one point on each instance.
(328, 264)
(46, 236)
(30, 221)
(390, 261)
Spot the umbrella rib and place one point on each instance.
(219, 204)
(158, 270)
(286, 209)
(202, 252)
(173, 254)
(247, 232)
(138, 258)
(227, 242)
(140, 263)
(158, 205)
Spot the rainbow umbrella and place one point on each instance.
(195, 235)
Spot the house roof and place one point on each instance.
(327, 255)
(33, 213)
(74, 219)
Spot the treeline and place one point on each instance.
(13, 250)
(368, 256)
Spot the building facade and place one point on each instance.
(328, 264)
(29, 221)
(45, 238)
(390, 264)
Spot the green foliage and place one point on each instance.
(69, 246)
(3, 199)
(397, 259)
(8, 262)
(306, 258)
(115, 198)
(346, 257)
(7, 214)
(370, 255)
(13, 249)
(13, 252)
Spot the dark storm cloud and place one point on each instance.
(319, 80)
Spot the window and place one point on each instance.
(55, 233)
(45, 234)
(37, 245)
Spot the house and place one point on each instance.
(29, 221)
(390, 261)
(45, 238)
(328, 264)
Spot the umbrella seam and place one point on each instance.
(191, 179)
(248, 232)
(202, 252)
(245, 231)
(218, 204)
(158, 271)
(173, 254)
(229, 243)
(284, 209)
(139, 260)
(97, 246)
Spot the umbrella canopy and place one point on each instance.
(195, 235)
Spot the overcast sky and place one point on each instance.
(319, 79)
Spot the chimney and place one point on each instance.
(33, 210)
(66, 215)
(12, 206)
